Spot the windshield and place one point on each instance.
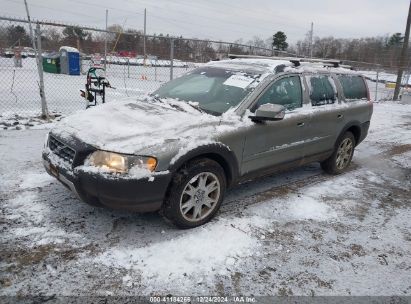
(214, 89)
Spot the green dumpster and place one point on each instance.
(51, 63)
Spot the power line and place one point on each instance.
(208, 8)
(114, 32)
(162, 18)
(56, 9)
(229, 13)
(188, 15)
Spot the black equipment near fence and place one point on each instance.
(95, 87)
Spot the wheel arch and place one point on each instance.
(355, 128)
(218, 152)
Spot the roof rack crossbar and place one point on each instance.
(295, 60)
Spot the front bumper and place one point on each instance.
(116, 192)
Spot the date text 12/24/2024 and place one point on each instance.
(202, 299)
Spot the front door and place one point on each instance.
(271, 143)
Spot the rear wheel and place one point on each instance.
(195, 194)
(342, 155)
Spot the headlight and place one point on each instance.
(121, 163)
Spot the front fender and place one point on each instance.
(215, 151)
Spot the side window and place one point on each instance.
(285, 91)
(353, 87)
(322, 90)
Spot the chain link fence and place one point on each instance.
(381, 79)
(133, 65)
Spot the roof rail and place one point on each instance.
(233, 56)
(295, 60)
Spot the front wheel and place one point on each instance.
(195, 194)
(342, 155)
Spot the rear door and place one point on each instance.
(327, 118)
(355, 96)
(271, 143)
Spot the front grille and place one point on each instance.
(62, 150)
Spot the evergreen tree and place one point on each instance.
(280, 41)
(396, 40)
(16, 34)
(74, 35)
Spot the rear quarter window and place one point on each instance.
(322, 90)
(353, 87)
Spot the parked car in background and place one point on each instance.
(177, 150)
(8, 53)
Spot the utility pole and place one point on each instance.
(144, 40)
(311, 39)
(37, 50)
(105, 42)
(403, 57)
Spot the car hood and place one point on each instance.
(134, 126)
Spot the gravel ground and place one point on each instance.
(300, 232)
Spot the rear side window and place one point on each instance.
(322, 90)
(353, 87)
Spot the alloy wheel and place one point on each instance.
(200, 196)
(344, 153)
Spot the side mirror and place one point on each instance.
(268, 112)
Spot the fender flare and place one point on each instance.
(354, 123)
(215, 151)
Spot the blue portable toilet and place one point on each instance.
(69, 60)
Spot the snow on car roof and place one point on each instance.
(260, 65)
(308, 67)
(268, 65)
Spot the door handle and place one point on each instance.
(339, 116)
(301, 124)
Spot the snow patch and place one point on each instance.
(403, 160)
(199, 251)
(35, 180)
(308, 208)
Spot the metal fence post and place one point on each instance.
(155, 70)
(171, 57)
(44, 110)
(376, 84)
(37, 50)
(105, 43)
(407, 81)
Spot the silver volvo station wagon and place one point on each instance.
(178, 149)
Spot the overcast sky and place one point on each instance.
(227, 19)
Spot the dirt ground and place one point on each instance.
(300, 232)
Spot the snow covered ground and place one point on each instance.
(385, 77)
(296, 233)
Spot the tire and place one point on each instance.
(341, 158)
(188, 204)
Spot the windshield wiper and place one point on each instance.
(155, 97)
(196, 106)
